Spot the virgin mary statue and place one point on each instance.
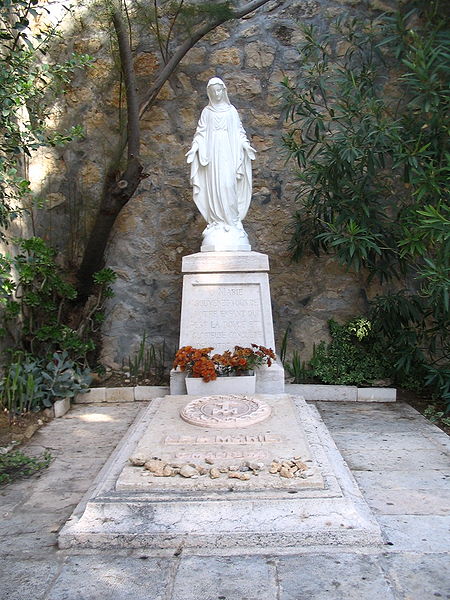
(221, 172)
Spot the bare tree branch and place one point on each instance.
(151, 94)
(172, 25)
(126, 60)
(158, 31)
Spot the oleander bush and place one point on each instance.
(368, 121)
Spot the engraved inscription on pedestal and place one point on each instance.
(224, 310)
(227, 314)
(225, 411)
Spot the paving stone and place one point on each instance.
(439, 438)
(343, 393)
(434, 479)
(16, 490)
(369, 419)
(93, 395)
(64, 476)
(360, 408)
(375, 418)
(63, 500)
(406, 492)
(78, 442)
(230, 578)
(144, 392)
(32, 520)
(33, 544)
(352, 440)
(61, 407)
(112, 412)
(374, 394)
(394, 412)
(413, 567)
(418, 577)
(110, 577)
(88, 430)
(413, 533)
(397, 460)
(331, 577)
(408, 502)
(26, 579)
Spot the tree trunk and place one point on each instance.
(115, 195)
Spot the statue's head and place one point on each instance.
(217, 91)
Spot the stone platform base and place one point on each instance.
(129, 508)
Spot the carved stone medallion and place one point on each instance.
(222, 412)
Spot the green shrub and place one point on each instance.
(37, 302)
(353, 356)
(34, 293)
(21, 389)
(149, 363)
(433, 414)
(31, 384)
(63, 379)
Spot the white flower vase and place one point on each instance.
(244, 384)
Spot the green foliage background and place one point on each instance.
(368, 131)
(35, 297)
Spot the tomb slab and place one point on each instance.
(280, 437)
(128, 510)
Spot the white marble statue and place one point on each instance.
(221, 172)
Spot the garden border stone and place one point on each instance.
(60, 407)
(311, 392)
(342, 393)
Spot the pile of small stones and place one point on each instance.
(288, 469)
(294, 467)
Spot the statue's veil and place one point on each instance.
(213, 81)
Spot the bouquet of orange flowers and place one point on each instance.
(199, 362)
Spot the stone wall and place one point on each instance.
(161, 223)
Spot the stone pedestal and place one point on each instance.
(226, 303)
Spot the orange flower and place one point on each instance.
(199, 363)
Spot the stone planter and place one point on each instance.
(245, 384)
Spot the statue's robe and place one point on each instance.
(221, 173)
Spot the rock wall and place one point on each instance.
(161, 223)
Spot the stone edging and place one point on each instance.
(342, 393)
(312, 392)
(121, 394)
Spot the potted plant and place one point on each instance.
(226, 373)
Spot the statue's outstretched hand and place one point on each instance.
(250, 151)
(191, 153)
